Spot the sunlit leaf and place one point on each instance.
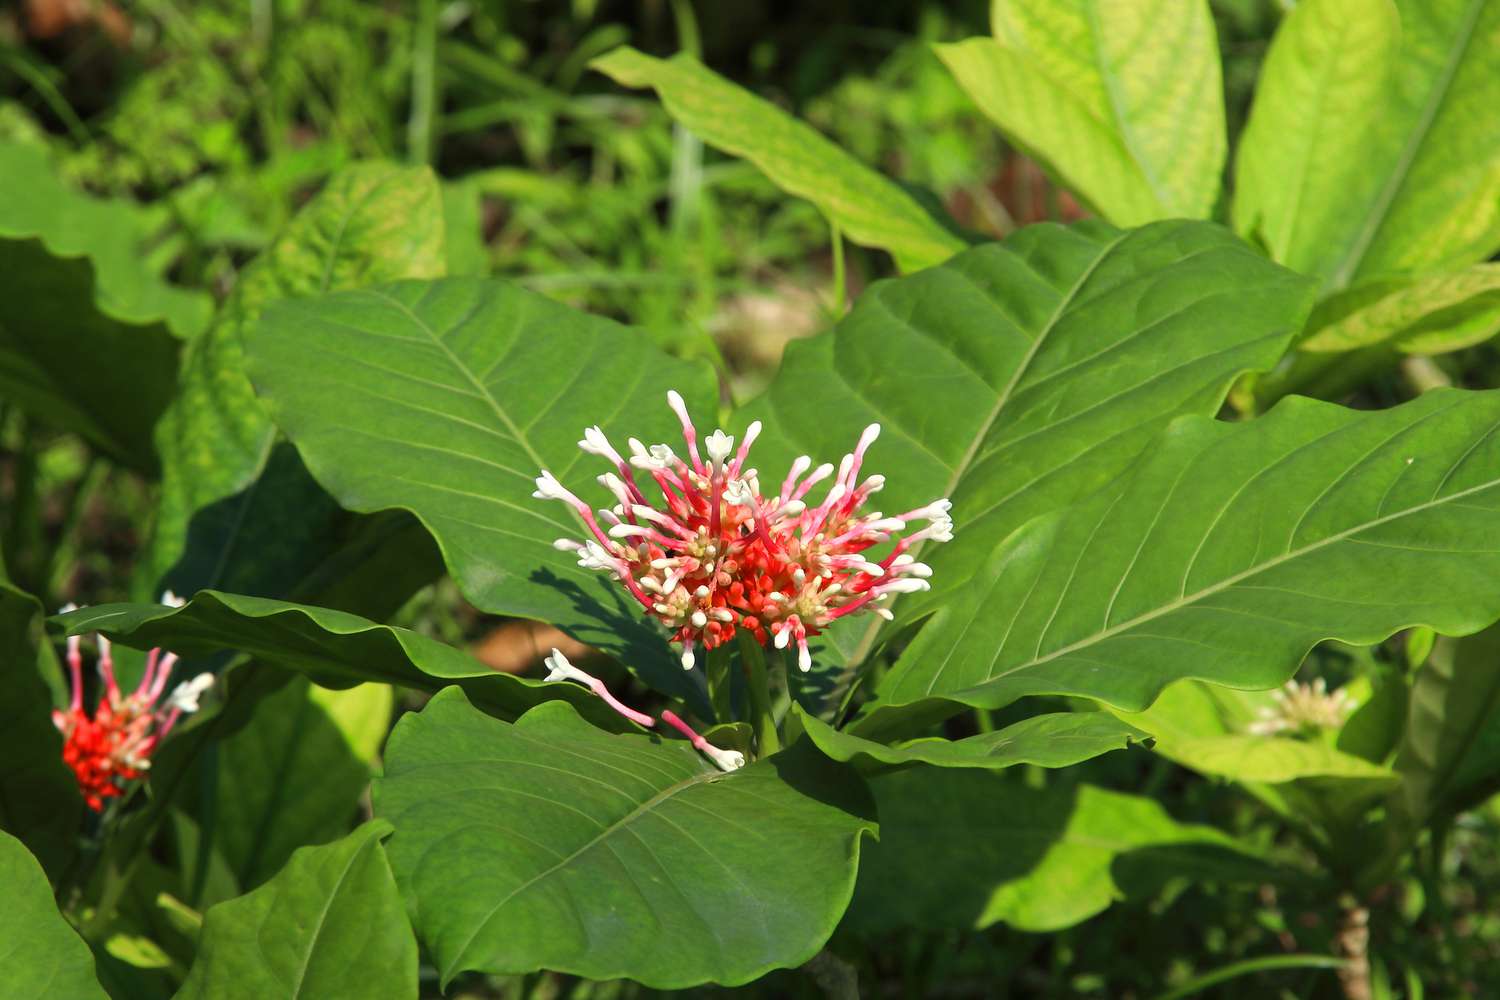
(41, 955)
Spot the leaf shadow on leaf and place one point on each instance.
(646, 652)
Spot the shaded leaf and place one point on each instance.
(1121, 101)
(330, 925)
(295, 774)
(41, 955)
(230, 516)
(89, 339)
(1227, 553)
(968, 848)
(870, 209)
(447, 398)
(550, 845)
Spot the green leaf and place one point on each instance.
(1368, 150)
(1227, 553)
(550, 845)
(868, 208)
(233, 514)
(41, 955)
(1022, 375)
(1121, 101)
(39, 800)
(1432, 314)
(294, 775)
(330, 925)
(1451, 743)
(1059, 739)
(447, 398)
(333, 648)
(89, 339)
(968, 848)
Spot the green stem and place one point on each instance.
(839, 281)
(753, 660)
(720, 684)
(425, 99)
(1236, 969)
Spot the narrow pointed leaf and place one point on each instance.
(1058, 739)
(41, 955)
(868, 208)
(330, 925)
(1121, 101)
(448, 398)
(1369, 149)
(1228, 552)
(1024, 374)
(331, 647)
(547, 844)
(234, 518)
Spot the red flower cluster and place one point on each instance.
(715, 555)
(113, 747)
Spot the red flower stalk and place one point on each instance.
(113, 747)
(712, 554)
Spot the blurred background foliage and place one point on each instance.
(216, 119)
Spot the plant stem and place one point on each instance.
(1248, 967)
(720, 684)
(753, 660)
(1354, 944)
(837, 237)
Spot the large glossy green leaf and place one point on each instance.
(89, 338)
(294, 775)
(547, 844)
(333, 648)
(1369, 149)
(1228, 552)
(233, 515)
(447, 398)
(1452, 742)
(1056, 739)
(870, 209)
(39, 800)
(967, 848)
(1431, 314)
(1121, 101)
(330, 925)
(41, 955)
(1023, 374)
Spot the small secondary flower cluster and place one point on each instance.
(1302, 707)
(113, 746)
(714, 555)
(560, 669)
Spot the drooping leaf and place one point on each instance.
(1450, 746)
(1432, 314)
(39, 800)
(870, 209)
(330, 925)
(547, 844)
(1024, 374)
(295, 774)
(333, 648)
(1121, 101)
(968, 848)
(1058, 739)
(89, 338)
(41, 955)
(1368, 151)
(447, 399)
(1227, 553)
(234, 514)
